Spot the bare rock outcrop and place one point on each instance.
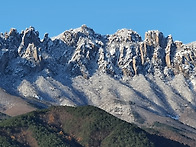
(83, 52)
(28, 36)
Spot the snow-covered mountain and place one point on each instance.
(129, 77)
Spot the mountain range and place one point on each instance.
(146, 82)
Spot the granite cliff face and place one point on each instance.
(121, 54)
(120, 73)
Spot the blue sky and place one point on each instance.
(176, 17)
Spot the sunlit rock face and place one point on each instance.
(120, 72)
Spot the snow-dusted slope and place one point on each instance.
(120, 73)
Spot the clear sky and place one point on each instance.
(176, 17)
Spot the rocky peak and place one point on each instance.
(86, 30)
(10, 40)
(29, 36)
(82, 51)
(46, 42)
(179, 44)
(12, 32)
(192, 45)
(71, 37)
(169, 50)
(46, 37)
(155, 38)
(125, 35)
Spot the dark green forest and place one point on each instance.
(65, 126)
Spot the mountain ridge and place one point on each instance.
(30, 47)
(137, 80)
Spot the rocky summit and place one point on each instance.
(83, 52)
(137, 80)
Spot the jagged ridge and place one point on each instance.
(155, 75)
(83, 51)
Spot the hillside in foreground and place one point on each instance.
(75, 126)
